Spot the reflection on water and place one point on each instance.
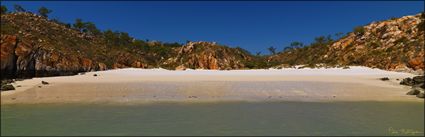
(231, 118)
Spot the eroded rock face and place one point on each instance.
(125, 60)
(33, 46)
(208, 55)
(22, 58)
(7, 55)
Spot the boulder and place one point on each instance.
(7, 87)
(44, 82)
(181, 67)
(384, 79)
(418, 80)
(420, 85)
(407, 82)
(420, 95)
(413, 91)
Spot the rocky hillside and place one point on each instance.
(396, 44)
(33, 46)
(208, 55)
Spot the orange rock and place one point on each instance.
(416, 63)
(181, 67)
(86, 64)
(118, 65)
(102, 66)
(7, 52)
(213, 64)
(137, 64)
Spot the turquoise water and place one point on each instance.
(231, 118)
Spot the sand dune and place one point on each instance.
(147, 85)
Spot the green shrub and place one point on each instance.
(43, 11)
(359, 30)
(3, 9)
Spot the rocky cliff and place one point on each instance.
(33, 46)
(24, 58)
(396, 44)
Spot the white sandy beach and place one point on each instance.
(146, 85)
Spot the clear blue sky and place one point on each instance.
(250, 25)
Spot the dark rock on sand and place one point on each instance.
(7, 87)
(7, 81)
(414, 91)
(420, 95)
(44, 82)
(421, 85)
(95, 75)
(407, 82)
(417, 81)
(384, 79)
(418, 85)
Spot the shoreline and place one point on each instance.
(157, 85)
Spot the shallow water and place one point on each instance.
(226, 118)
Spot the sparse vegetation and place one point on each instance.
(258, 53)
(272, 50)
(310, 54)
(18, 8)
(3, 9)
(359, 30)
(43, 11)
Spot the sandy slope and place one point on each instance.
(146, 85)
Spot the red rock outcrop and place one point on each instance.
(7, 54)
(32, 45)
(23, 58)
(208, 55)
